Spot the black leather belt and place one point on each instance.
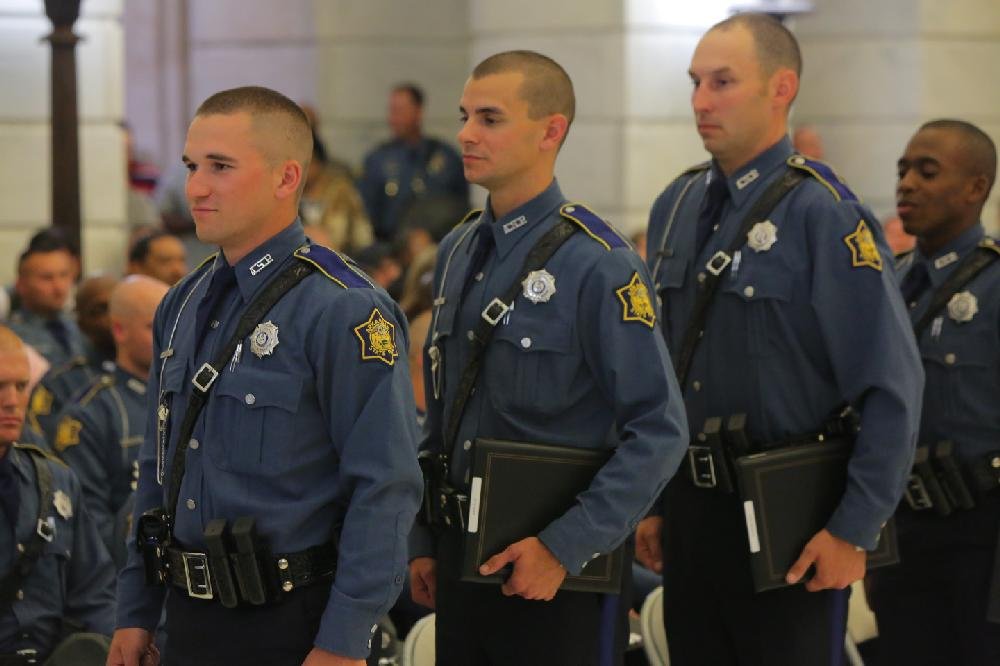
(981, 476)
(20, 658)
(191, 572)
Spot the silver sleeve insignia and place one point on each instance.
(861, 243)
(378, 339)
(67, 433)
(636, 305)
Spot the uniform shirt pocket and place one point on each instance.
(254, 410)
(763, 292)
(963, 368)
(530, 365)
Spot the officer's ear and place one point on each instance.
(977, 189)
(288, 176)
(784, 87)
(556, 127)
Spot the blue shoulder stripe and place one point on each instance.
(824, 174)
(593, 225)
(335, 266)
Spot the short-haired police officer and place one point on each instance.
(279, 530)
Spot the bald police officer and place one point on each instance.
(932, 608)
(806, 319)
(280, 424)
(576, 360)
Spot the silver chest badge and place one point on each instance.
(963, 307)
(63, 504)
(762, 236)
(264, 339)
(539, 286)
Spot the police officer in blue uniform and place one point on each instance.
(45, 274)
(806, 319)
(55, 574)
(302, 462)
(576, 360)
(99, 434)
(409, 166)
(932, 608)
(62, 384)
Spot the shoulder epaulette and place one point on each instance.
(989, 244)
(62, 369)
(697, 168)
(39, 451)
(335, 266)
(902, 258)
(98, 385)
(472, 214)
(825, 175)
(593, 225)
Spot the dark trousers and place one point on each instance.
(204, 633)
(711, 613)
(476, 625)
(931, 608)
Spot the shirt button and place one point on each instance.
(471, 334)
(250, 398)
(949, 359)
(466, 445)
(696, 385)
(193, 444)
(748, 291)
(479, 276)
(398, 580)
(525, 342)
(20, 595)
(701, 277)
(190, 504)
(214, 323)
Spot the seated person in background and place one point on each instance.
(159, 255)
(331, 201)
(99, 434)
(61, 575)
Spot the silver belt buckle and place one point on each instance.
(199, 582)
(500, 306)
(702, 464)
(718, 263)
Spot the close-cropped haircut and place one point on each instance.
(546, 88)
(264, 103)
(50, 239)
(141, 248)
(415, 92)
(980, 153)
(776, 46)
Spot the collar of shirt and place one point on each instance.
(939, 264)
(745, 181)
(134, 384)
(20, 463)
(512, 227)
(33, 318)
(261, 263)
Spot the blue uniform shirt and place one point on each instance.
(98, 436)
(62, 385)
(807, 319)
(961, 353)
(395, 173)
(310, 430)
(34, 330)
(73, 578)
(585, 368)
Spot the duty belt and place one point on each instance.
(452, 508)
(939, 483)
(196, 572)
(20, 658)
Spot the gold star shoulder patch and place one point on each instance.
(378, 339)
(41, 401)
(861, 243)
(636, 305)
(67, 433)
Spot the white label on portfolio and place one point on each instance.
(477, 487)
(751, 526)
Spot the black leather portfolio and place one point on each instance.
(516, 490)
(788, 496)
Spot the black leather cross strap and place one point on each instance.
(11, 584)
(718, 267)
(204, 379)
(973, 264)
(483, 332)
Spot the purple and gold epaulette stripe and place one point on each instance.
(593, 225)
(474, 213)
(824, 174)
(334, 266)
(990, 244)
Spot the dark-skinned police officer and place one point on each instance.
(576, 359)
(806, 320)
(933, 607)
(278, 477)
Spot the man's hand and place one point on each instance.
(838, 563)
(320, 657)
(133, 647)
(647, 543)
(537, 572)
(423, 581)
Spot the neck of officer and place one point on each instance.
(936, 239)
(776, 131)
(237, 248)
(514, 194)
(129, 365)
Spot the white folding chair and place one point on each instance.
(418, 649)
(654, 638)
